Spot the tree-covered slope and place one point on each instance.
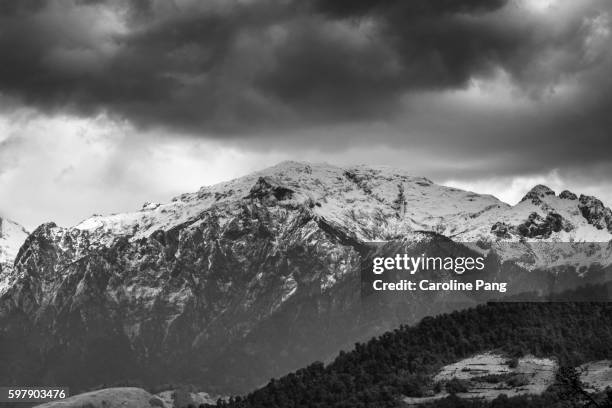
(398, 363)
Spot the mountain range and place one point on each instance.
(251, 278)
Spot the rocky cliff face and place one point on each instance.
(595, 212)
(247, 279)
(157, 300)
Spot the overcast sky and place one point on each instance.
(107, 104)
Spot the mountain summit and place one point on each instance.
(369, 203)
(537, 193)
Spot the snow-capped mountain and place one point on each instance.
(378, 203)
(382, 203)
(366, 201)
(251, 278)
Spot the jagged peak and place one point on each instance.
(267, 187)
(590, 200)
(568, 195)
(43, 229)
(538, 192)
(595, 212)
(542, 190)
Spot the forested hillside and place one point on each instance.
(399, 363)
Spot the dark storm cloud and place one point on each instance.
(240, 66)
(284, 73)
(409, 9)
(415, 45)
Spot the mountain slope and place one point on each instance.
(402, 363)
(251, 278)
(12, 236)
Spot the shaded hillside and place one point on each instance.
(399, 363)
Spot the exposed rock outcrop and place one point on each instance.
(595, 212)
(537, 226)
(568, 195)
(537, 193)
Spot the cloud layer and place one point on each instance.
(475, 92)
(239, 67)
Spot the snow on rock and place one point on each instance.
(371, 202)
(537, 193)
(378, 203)
(595, 213)
(568, 195)
(12, 236)
(367, 203)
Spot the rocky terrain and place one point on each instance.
(248, 279)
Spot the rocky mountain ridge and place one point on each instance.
(376, 203)
(371, 203)
(380, 204)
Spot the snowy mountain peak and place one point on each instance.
(537, 193)
(568, 195)
(370, 202)
(373, 203)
